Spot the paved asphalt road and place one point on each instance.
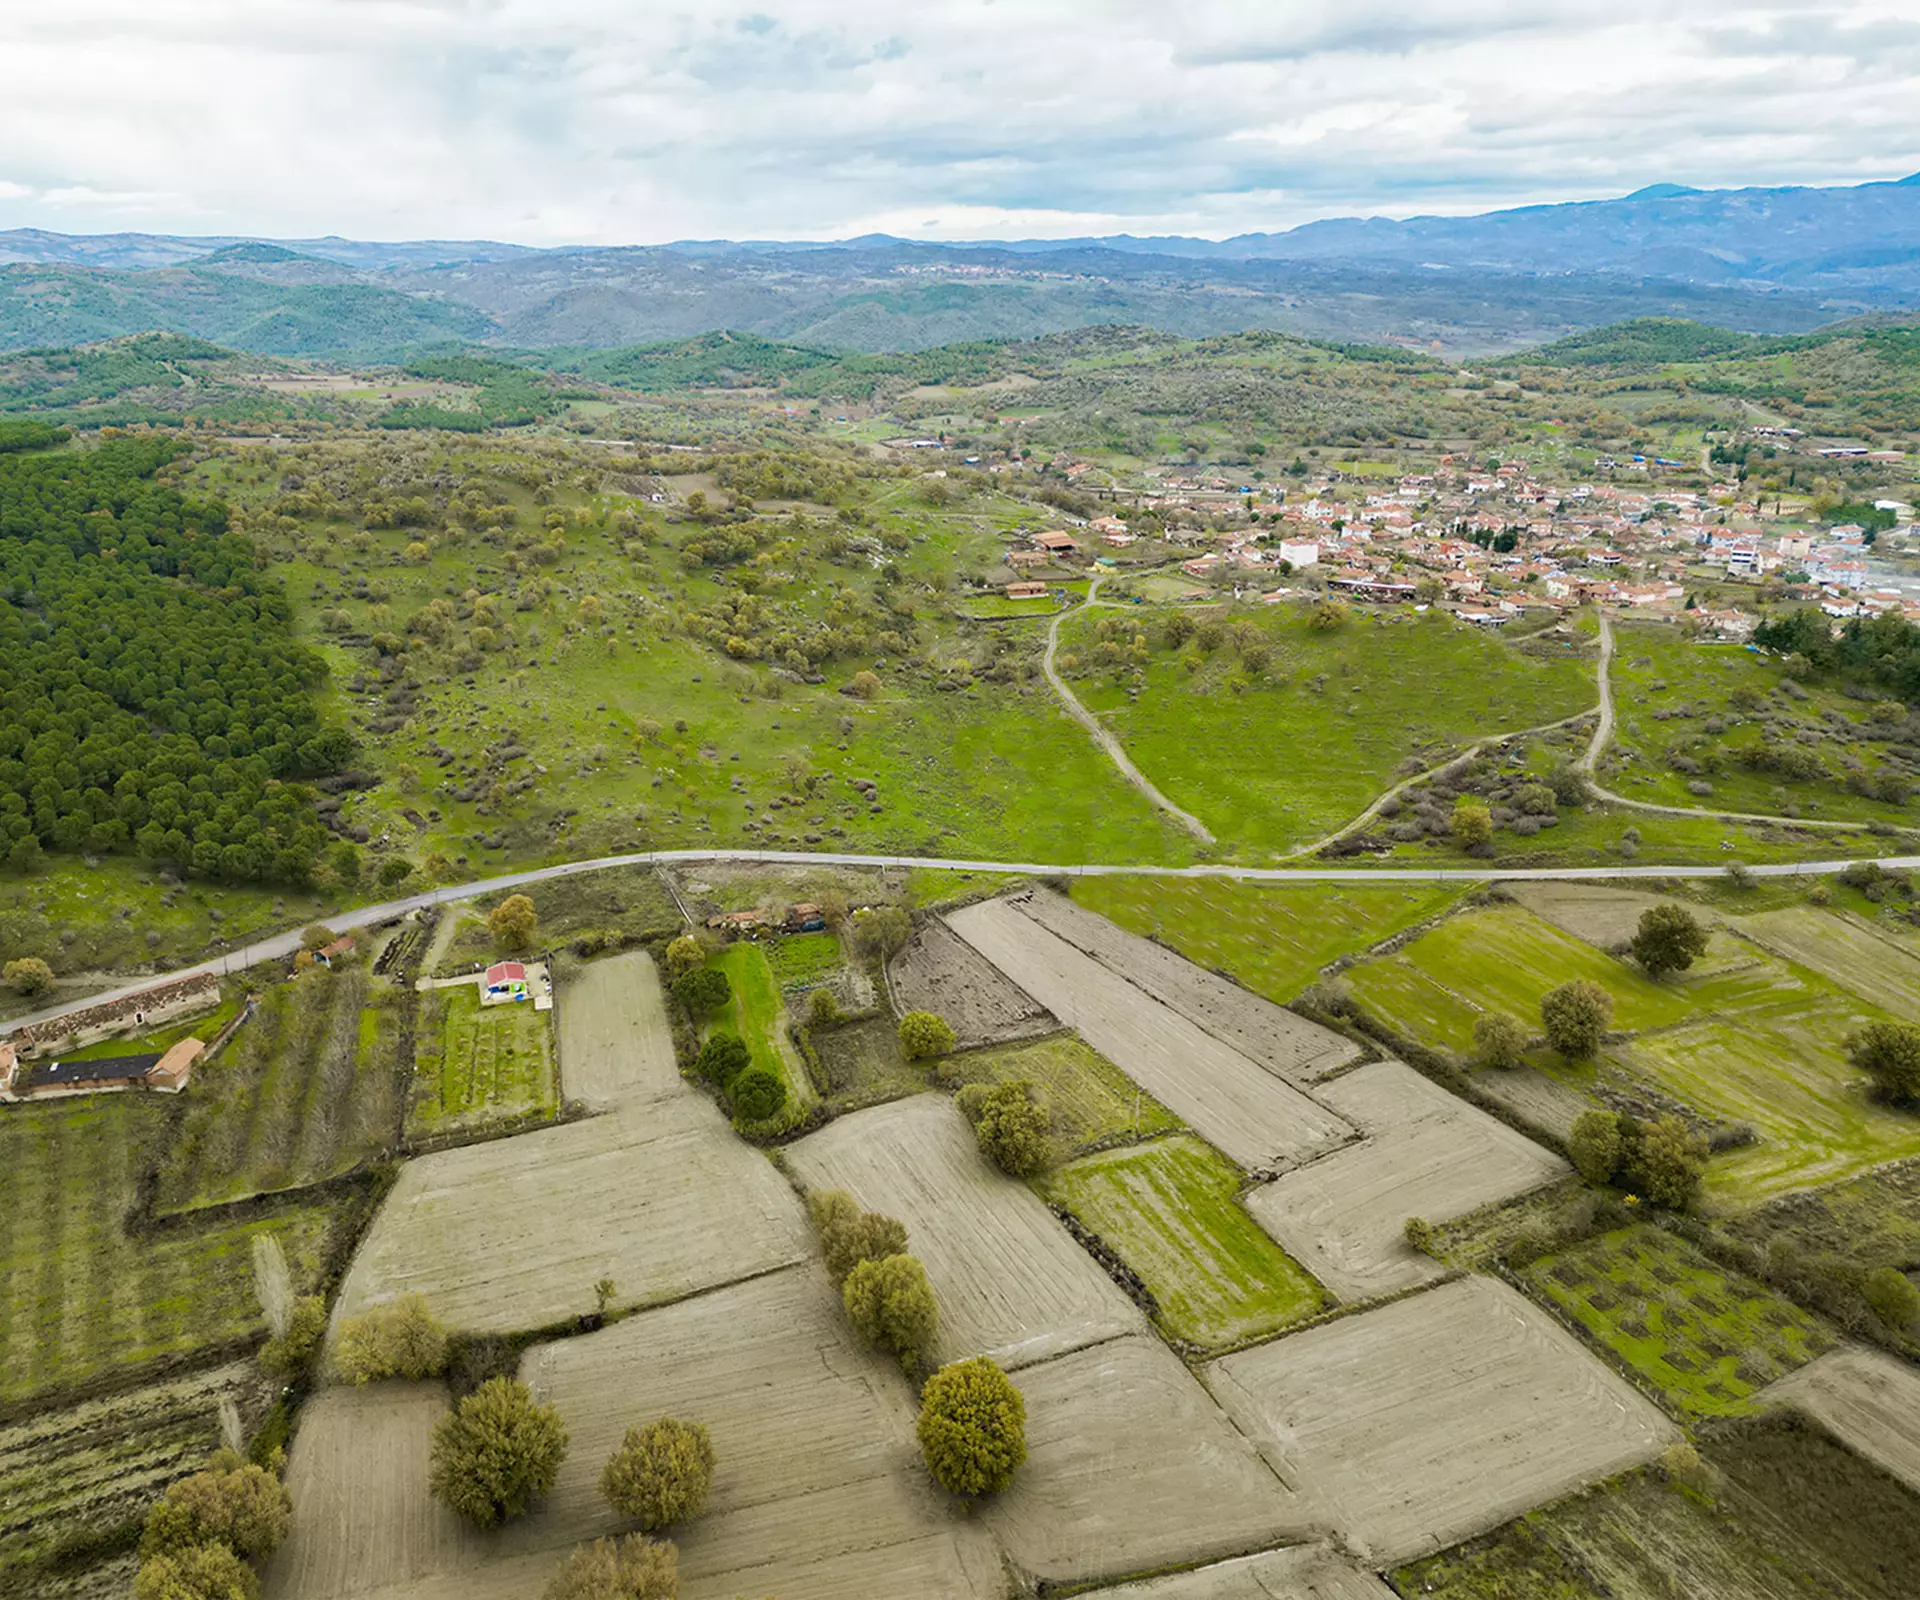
(279, 947)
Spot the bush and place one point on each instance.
(891, 1304)
(1574, 1017)
(496, 1452)
(513, 923)
(683, 955)
(1669, 939)
(702, 991)
(1499, 1040)
(29, 975)
(401, 1340)
(1010, 1124)
(1535, 800)
(661, 1474)
(924, 1034)
(823, 1008)
(1892, 1297)
(849, 1236)
(1594, 1145)
(757, 1095)
(881, 930)
(722, 1059)
(1667, 1163)
(1889, 1053)
(242, 1507)
(203, 1572)
(633, 1568)
(286, 1354)
(972, 1428)
(1472, 823)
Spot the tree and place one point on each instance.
(683, 955)
(287, 1353)
(1668, 1162)
(823, 1008)
(702, 991)
(865, 685)
(200, 1572)
(633, 1568)
(1574, 1017)
(396, 870)
(972, 1428)
(1472, 822)
(923, 1034)
(1670, 939)
(29, 975)
(496, 1452)
(1889, 1053)
(1499, 1040)
(316, 936)
(231, 1503)
(403, 1339)
(661, 1474)
(1891, 1296)
(1327, 614)
(881, 930)
(722, 1059)
(1594, 1145)
(849, 1235)
(513, 923)
(891, 1304)
(1011, 1125)
(757, 1095)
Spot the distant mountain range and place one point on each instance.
(1762, 260)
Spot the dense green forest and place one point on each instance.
(1883, 651)
(154, 699)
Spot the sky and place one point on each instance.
(631, 122)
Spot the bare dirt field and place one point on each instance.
(1265, 1033)
(1132, 1468)
(1427, 1154)
(615, 1041)
(939, 972)
(819, 1490)
(1868, 1399)
(1011, 1282)
(362, 1517)
(1301, 1572)
(1436, 1417)
(1595, 912)
(514, 1234)
(1242, 1108)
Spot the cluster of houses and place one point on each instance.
(804, 917)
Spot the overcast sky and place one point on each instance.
(628, 121)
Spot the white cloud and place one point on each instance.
(604, 122)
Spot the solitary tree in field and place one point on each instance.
(923, 1034)
(231, 1503)
(633, 1568)
(973, 1427)
(891, 1304)
(29, 975)
(496, 1453)
(1327, 614)
(1668, 1162)
(1594, 1145)
(201, 1572)
(1574, 1017)
(1670, 939)
(513, 923)
(1499, 1040)
(1889, 1053)
(1472, 822)
(661, 1474)
(683, 955)
(866, 685)
(1011, 1125)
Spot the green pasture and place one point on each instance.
(1091, 1100)
(756, 1013)
(803, 960)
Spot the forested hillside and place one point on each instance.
(153, 699)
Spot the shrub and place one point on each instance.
(1668, 1162)
(722, 1059)
(201, 1572)
(972, 1428)
(1472, 822)
(242, 1507)
(849, 1236)
(891, 1304)
(1669, 939)
(881, 930)
(1574, 1017)
(633, 1568)
(1594, 1145)
(683, 955)
(1499, 1040)
(513, 923)
(924, 1034)
(287, 1354)
(1891, 1296)
(496, 1452)
(1419, 1234)
(1889, 1053)
(823, 1008)
(1011, 1125)
(661, 1474)
(757, 1095)
(702, 991)
(29, 975)
(401, 1340)
(1535, 800)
